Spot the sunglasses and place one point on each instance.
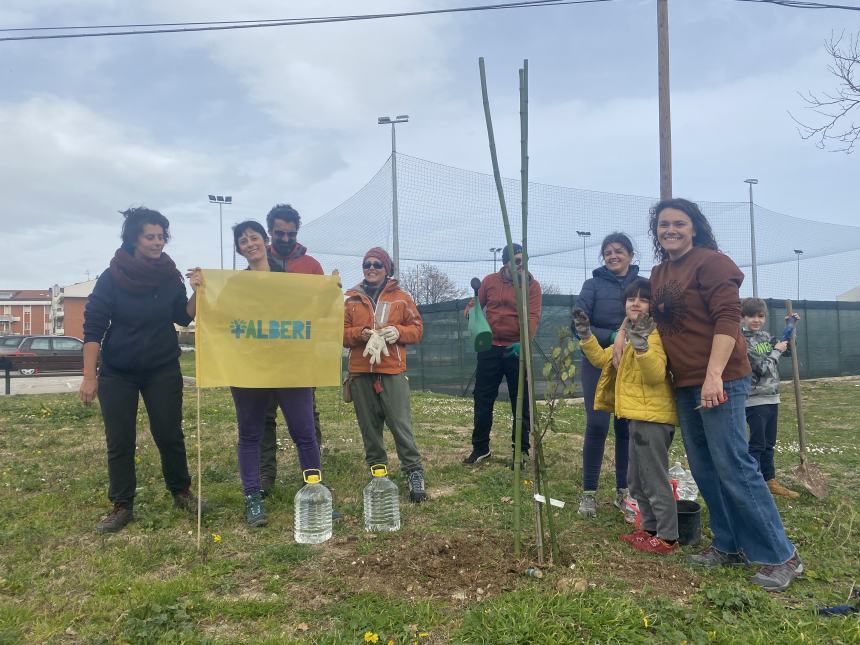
(282, 234)
(373, 265)
(518, 262)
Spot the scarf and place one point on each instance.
(373, 292)
(140, 275)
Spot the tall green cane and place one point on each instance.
(519, 298)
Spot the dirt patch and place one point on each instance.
(457, 567)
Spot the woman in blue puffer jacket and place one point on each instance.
(601, 298)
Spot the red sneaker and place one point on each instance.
(636, 536)
(655, 545)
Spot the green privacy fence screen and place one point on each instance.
(444, 361)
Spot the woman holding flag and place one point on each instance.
(129, 321)
(296, 403)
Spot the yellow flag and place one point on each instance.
(268, 329)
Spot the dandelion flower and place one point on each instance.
(216, 537)
(371, 637)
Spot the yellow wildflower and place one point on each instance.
(216, 537)
(371, 637)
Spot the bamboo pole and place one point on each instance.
(525, 349)
(199, 425)
(517, 291)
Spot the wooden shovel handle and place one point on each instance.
(801, 428)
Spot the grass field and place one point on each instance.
(448, 576)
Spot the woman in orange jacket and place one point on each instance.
(380, 319)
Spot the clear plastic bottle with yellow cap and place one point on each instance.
(381, 502)
(313, 510)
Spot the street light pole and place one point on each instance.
(584, 235)
(495, 250)
(221, 200)
(663, 99)
(798, 252)
(751, 182)
(385, 120)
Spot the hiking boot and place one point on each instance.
(777, 577)
(636, 536)
(116, 520)
(656, 545)
(417, 494)
(524, 460)
(187, 501)
(712, 557)
(778, 489)
(255, 514)
(588, 505)
(267, 483)
(476, 457)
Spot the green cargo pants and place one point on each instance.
(391, 406)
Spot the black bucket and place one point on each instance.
(689, 522)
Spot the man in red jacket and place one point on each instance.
(283, 222)
(502, 360)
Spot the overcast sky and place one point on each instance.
(92, 126)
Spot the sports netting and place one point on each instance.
(450, 218)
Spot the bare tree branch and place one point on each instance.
(838, 130)
(428, 285)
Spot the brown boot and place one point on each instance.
(187, 501)
(116, 520)
(778, 489)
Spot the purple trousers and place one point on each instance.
(296, 403)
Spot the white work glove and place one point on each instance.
(375, 348)
(390, 334)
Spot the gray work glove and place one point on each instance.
(581, 324)
(390, 334)
(638, 332)
(375, 347)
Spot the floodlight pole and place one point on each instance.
(798, 253)
(584, 235)
(751, 182)
(221, 200)
(663, 101)
(385, 120)
(495, 251)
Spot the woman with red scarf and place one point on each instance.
(129, 320)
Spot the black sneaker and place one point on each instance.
(266, 485)
(417, 494)
(477, 457)
(524, 460)
(187, 501)
(116, 520)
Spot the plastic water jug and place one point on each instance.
(381, 502)
(313, 510)
(687, 488)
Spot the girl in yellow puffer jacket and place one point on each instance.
(640, 390)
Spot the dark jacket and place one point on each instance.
(601, 298)
(135, 331)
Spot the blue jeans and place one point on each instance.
(743, 516)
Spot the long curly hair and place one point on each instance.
(704, 235)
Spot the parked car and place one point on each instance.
(9, 344)
(39, 354)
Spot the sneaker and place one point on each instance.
(588, 505)
(476, 457)
(778, 489)
(778, 577)
(267, 483)
(116, 520)
(524, 460)
(636, 536)
(187, 501)
(656, 546)
(712, 557)
(417, 494)
(255, 514)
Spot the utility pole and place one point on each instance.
(665, 118)
(752, 238)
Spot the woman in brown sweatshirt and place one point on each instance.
(696, 305)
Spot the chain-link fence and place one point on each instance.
(828, 342)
